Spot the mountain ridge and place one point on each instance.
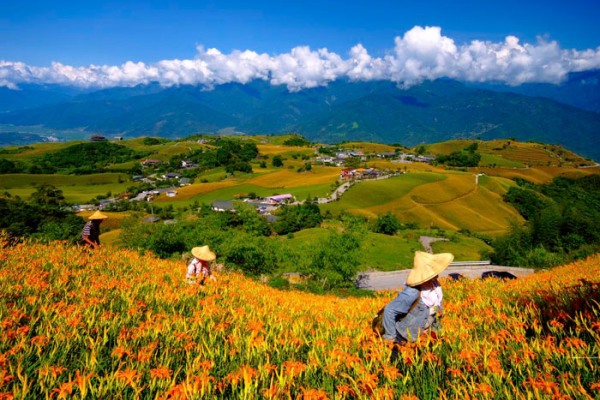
(378, 110)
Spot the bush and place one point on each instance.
(277, 161)
(252, 255)
(336, 262)
(295, 218)
(387, 224)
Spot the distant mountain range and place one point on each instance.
(567, 114)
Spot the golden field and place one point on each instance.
(116, 324)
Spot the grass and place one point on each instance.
(464, 248)
(455, 186)
(500, 161)
(290, 178)
(76, 188)
(227, 190)
(447, 201)
(389, 253)
(375, 193)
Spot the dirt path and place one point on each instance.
(426, 242)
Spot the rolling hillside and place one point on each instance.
(426, 195)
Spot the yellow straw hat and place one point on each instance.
(98, 215)
(427, 266)
(203, 253)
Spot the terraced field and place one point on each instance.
(539, 175)
(450, 201)
(506, 152)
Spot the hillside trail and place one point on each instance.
(426, 242)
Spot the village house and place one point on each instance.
(151, 163)
(359, 173)
(171, 175)
(279, 199)
(386, 154)
(188, 164)
(325, 160)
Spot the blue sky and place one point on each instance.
(78, 34)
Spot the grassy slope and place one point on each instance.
(76, 188)
(450, 201)
(513, 154)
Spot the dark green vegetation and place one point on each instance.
(295, 218)
(79, 159)
(365, 111)
(468, 157)
(239, 240)
(562, 223)
(43, 216)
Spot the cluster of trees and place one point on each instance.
(297, 140)
(468, 157)
(388, 224)
(82, 158)
(86, 158)
(45, 215)
(295, 218)
(562, 223)
(240, 239)
(229, 153)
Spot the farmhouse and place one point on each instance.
(278, 199)
(386, 154)
(150, 162)
(223, 205)
(171, 175)
(188, 164)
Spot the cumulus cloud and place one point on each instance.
(422, 53)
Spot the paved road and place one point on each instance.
(396, 279)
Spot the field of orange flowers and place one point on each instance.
(116, 324)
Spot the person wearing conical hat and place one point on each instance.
(90, 234)
(418, 307)
(200, 268)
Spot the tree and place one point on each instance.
(277, 161)
(295, 218)
(352, 162)
(47, 195)
(387, 224)
(336, 262)
(252, 222)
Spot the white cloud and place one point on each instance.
(422, 53)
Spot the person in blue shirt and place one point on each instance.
(418, 307)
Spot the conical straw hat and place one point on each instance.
(427, 266)
(203, 253)
(98, 215)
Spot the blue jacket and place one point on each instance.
(400, 319)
